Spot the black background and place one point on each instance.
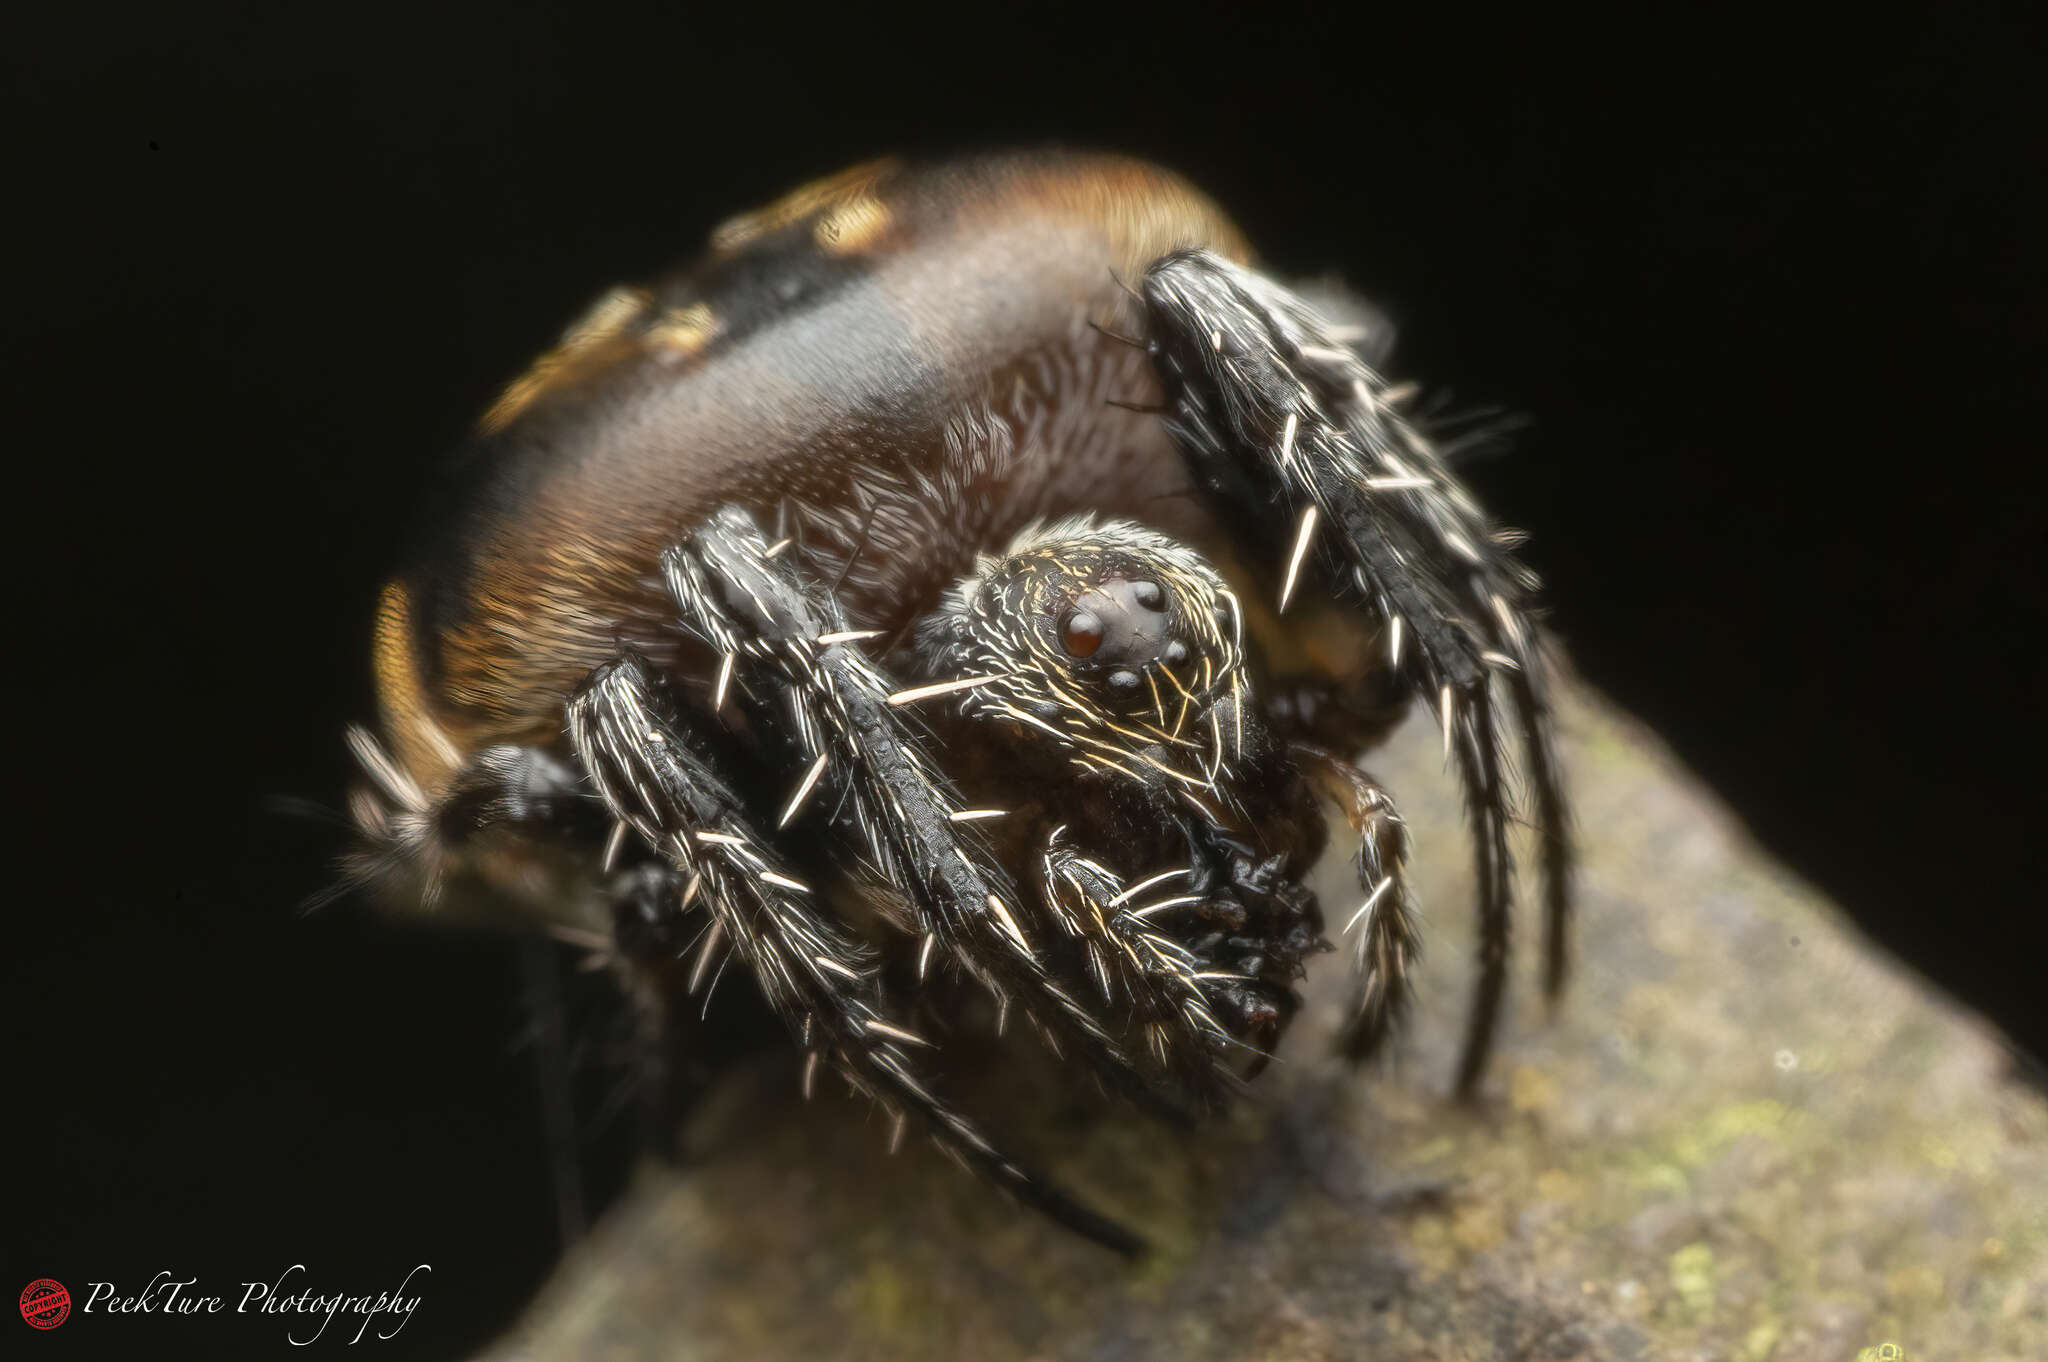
(1769, 289)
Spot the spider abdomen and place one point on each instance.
(896, 368)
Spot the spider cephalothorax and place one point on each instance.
(1102, 682)
(895, 591)
(1117, 644)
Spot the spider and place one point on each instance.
(978, 567)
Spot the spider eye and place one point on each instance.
(1119, 625)
(1081, 633)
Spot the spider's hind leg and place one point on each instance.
(820, 977)
(1299, 436)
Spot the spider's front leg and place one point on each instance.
(1116, 928)
(1384, 925)
(820, 977)
(846, 729)
(1292, 429)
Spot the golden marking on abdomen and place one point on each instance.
(816, 197)
(852, 226)
(581, 349)
(683, 332)
(421, 746)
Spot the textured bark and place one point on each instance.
(1746, 1135)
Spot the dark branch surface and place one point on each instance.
(1745, 1136)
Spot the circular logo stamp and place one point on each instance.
(45, 1304)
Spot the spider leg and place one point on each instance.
(1296, 430)
(508, 788)
(630, 918)
(1383, 928)
(515, 785)
(820, 977)
(843, 718)
(1116, 927)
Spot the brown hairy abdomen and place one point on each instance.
(938, 390)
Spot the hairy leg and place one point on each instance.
(822, 978)
(837, 724)
(1294, 430)
(1116, 927)
(1383, 928)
